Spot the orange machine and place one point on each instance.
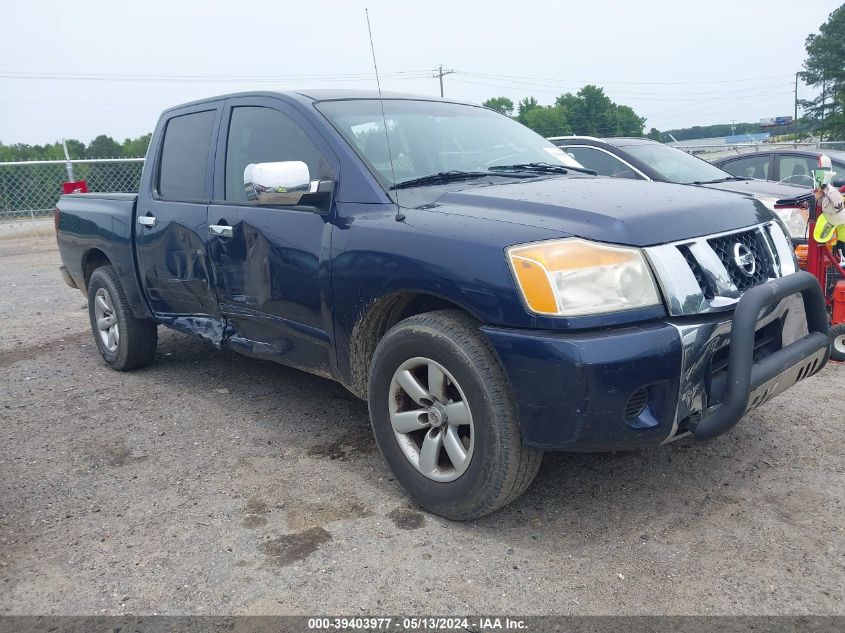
(821, 261)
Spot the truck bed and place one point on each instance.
(93, 226)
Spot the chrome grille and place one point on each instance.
(703, 275)
(698, 271)
(756, 244)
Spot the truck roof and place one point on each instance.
(318, 94)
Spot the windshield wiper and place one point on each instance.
(439, 178)
(718, 180)
(542, 168)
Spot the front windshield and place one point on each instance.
(675, 165)
(431, 137)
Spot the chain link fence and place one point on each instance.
(715, 152)
(30, 189)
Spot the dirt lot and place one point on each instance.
(211, 483)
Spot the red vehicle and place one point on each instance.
(75, 186)
(820, 261)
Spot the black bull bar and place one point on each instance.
(749, 384)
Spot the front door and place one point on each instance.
(270, 265)
(171, 225)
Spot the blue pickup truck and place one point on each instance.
(489, 297)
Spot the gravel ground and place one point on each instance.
(209, 483)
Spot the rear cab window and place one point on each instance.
(184, 156)
(601, 162)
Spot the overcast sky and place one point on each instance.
(676, 62)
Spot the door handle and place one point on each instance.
(146, 220)
(220, 230)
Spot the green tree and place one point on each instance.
(101, 147)
(104, 147)
(591, 112)
(525, 106)
(136, 147)
(595, 111)
(502, 105)
(547, 121)
(655, 135)
(627, 122)
(75, 149)
(824, 68)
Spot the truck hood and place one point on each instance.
(761, 188)
(636, 213)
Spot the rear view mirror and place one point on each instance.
(286, 183)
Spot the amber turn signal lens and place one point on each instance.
(535, 285)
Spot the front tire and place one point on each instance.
(444, 419)
(837, 342)
(124, 341)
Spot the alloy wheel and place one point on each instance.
(106, 318)
(431, 419)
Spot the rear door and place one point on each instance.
(171, 224)
(271, 271)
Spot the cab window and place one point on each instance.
(751, 167)
(184, 156)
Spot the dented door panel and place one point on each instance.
(272, 283)
(172, 260)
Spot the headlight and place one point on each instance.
(571, 277)
(793, 218)
(768, 201)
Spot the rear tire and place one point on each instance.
(837, 342)
(124, 341)
(444, 419)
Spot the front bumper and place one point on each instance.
(583, 391)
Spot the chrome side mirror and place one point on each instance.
(283, 183)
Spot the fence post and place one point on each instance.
(68, 164)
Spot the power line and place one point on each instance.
(765, 94)
(723, 106)
(409, 74)
(516, 84)
(100, 104)
(630, 83)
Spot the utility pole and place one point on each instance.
(68, 164)
(440, 74)
(795, 119)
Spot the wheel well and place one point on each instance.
(379, 317)
(92, 261)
